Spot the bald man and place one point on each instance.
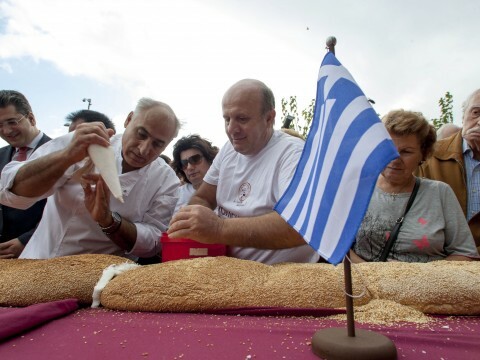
(245, 181)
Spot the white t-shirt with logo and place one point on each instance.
(251, 186)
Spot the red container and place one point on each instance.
(176, 249)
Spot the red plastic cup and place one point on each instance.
(176, 249)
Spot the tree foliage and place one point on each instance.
(301, 124)
(446, 111)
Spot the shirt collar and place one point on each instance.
(34, 143)
(465, 147)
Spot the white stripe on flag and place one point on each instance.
(338, 215)
(311, 166)
(351, 112)
(345, 151)
(333, 73)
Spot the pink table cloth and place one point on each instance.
(17, 320)
(102, 334)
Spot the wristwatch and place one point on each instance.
(114, 226)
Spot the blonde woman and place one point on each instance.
(434, 228)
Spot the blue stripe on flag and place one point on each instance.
(345, 151)
(362, 199)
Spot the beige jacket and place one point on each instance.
(447, 165)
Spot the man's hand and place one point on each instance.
(11, 249)
(198, 223)
(97, 202)
(472, 136)
(97, 198)
(37, 177)
(85, 135)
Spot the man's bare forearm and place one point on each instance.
(206, 196)
(458, 258)
(38, 176)
(267, 231)
(197, 200)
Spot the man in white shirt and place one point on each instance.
(92, 221)
(246, 179)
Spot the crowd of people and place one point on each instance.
(53, 204)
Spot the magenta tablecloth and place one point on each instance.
(17, 320)
(102, 334)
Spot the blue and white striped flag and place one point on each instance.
(346, 149)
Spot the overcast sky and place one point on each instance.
(403, 54)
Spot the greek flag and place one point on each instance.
(346, 149)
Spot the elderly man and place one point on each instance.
(246, 179)
(90, 221)
(18, 128)
(456, 161)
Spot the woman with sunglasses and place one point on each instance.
(192, 157)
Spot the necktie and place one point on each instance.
(21, 154)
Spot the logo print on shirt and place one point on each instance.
(244, 192)
(422, 221)
(422, 243)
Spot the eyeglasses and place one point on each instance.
(11, 123)
(193, 160)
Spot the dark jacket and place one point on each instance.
(16, 223)
(447, 165)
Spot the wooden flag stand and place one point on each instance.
(347, 344)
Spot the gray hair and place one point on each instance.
(268, 97)
(466, 103)
(145, 104)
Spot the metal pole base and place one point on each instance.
(335, 344)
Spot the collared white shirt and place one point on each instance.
(67, 228)
(472, 170)
(33, 144)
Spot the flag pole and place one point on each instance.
(338, 344)
(347, 272)
(347, 268)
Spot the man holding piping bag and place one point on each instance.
(79, 221)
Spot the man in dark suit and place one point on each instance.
(18, 128)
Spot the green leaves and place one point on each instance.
(299, 124)
(446, 113)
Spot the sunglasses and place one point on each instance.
(192, 160)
